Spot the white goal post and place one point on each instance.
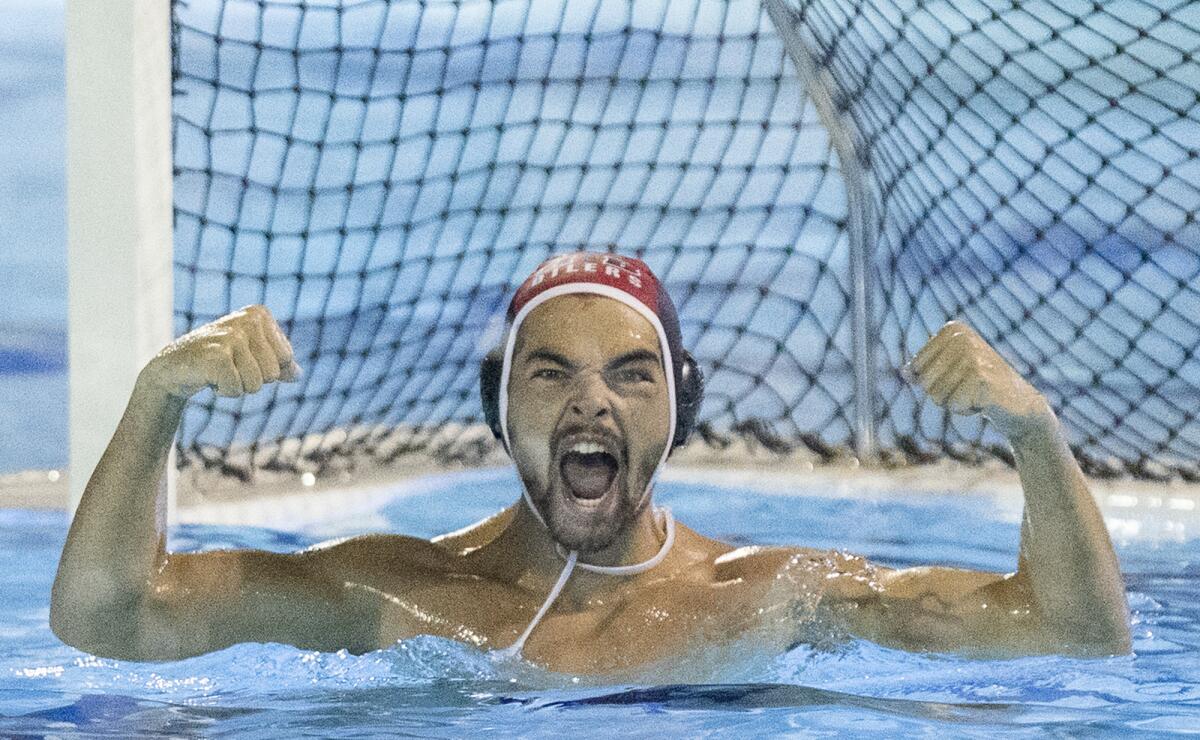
(119, 213)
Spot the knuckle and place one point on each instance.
(217, 339)
(264, 318)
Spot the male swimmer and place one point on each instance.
(589, 392)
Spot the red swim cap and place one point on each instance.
(607, 274)
(623, 273)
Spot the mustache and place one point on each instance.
(607, 438)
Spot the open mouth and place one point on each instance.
(588, 470)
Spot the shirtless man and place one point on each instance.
(589, 392)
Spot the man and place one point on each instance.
(589, 392)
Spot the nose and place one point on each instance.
(590, 400)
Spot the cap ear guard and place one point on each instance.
(688, 395)
(490, 371)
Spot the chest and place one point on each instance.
(622, 629)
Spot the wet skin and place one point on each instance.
(586, 369)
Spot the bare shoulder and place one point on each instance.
(385, 552)
(846, 574)
(760, 562)
(725, 562)
(476, 535)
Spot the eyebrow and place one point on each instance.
(546, 355)
(637, 355)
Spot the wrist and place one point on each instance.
(1036, 426)
(151, 386)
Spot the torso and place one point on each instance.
(704, 593)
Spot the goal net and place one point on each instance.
(382, 174)
(1034, 166)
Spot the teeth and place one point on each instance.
(586, 448)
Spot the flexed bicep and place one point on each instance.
(201, 602)
(936, 609)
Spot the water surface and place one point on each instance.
(433, 687)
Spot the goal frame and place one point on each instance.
(120, 252)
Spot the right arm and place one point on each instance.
(1066, 596)
(119, 593)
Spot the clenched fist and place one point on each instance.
(961, 372)
(236, 354)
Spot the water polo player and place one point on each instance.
(590, 391)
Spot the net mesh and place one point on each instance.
(382, 174)
(1036, 169)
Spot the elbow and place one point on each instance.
(60, 624)
(1106, 647)
(75, 625)
(1121, 645)
(68, 617)
(1114, 640)
(1099, 638)
(82, 629)
(105, 635)
(127, 627)
(1090, 622)
(106, 628)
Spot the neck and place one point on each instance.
(539, 562)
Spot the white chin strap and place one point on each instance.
(663, 514)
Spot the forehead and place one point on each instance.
(583, 324)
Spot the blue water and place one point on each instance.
(433, 687)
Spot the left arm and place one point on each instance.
(1067, 595)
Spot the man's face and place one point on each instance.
(587, 415)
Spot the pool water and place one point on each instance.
(433, 687)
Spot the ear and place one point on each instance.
(688, 396)
(490, 371)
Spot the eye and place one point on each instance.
(548, 373)
(634, 375)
